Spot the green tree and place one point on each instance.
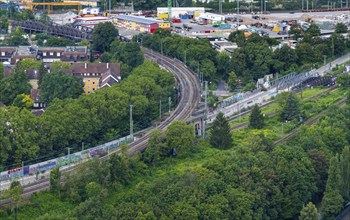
(55, 178)
(60, 85)
(1, 70)
(291, 110)
(256, 119)
(332, 201)
(58, 42)
(58, 66)
(16, 84)
(23, 101)
(104, 34)
(345, 173)
(29, 63)
(313, 30)
(232, 80)
(220, 135)
(15, 193)
(237, 37)
(309, 212)
(16, 38)
(344, 80)
(180, 138)
(156, 148)
(341, 28)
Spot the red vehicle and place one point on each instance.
(176, 20)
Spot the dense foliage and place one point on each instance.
(253, 60)
(104, 34)
(252, 180)
(94, 118)
(60, 85)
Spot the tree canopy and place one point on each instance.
(220, 135)
(60, 85)
(104, 34)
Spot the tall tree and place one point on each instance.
(332, 201)
(256, 119)
(16, 84)
(313, 30)
(345, 173)
(104, 34)
(309, 212)
(60, 85)
(291, 110)
(220, 136)
(341, 28)
(180, 138)
(25, 64)
(16, 38)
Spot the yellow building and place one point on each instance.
(164, 25)
(90, 84)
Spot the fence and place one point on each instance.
(65, 160)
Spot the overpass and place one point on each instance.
(53, 29)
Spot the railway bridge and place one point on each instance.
(52, 29)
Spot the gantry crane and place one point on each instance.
(32, 5)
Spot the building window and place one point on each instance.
(68, 57)
(93, 89)
(93, 82)
(58, 54)
(44, 54)
(82, 57)
(2, 53)
(51, 53)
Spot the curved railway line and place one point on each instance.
(189, 98)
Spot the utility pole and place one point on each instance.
(302, 5)
(131, 124)
(169, 99)
(282, 130)
(220, 7)
(160, 109)
(161, 49)
(205, 107)
(68, 156)
(109, 8)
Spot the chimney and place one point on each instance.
(107, 65)
(85, 65)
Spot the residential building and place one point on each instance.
(35, 95)
(96, 75)
(46, 54)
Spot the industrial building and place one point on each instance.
(140, 24)
(179, 12)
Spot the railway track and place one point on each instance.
(189, 98)
(245, 124)
(189, 90)
(308, 123)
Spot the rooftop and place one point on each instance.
(26, 51)
(137, 19)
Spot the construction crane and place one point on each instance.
(32, 5)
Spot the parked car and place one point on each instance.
(282, 33)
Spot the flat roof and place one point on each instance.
(137, 19)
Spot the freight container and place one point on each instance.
(162, 16)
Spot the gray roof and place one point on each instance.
(136, 19)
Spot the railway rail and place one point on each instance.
(308, 123)
(190, 97)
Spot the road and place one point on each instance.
(190, 97)
(262, 97)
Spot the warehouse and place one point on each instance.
(140, 24)
(180, 12)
